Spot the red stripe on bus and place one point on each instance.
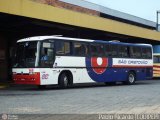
(128, 66)
(33, 79)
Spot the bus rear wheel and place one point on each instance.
(131, 78)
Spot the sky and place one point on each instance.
(142, 8)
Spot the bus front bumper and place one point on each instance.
(32, 79)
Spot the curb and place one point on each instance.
(4, 85)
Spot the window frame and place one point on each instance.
(146, 56)
(84, 44)
(116, 50)
(70, 47)
(135, 53)
(40, 56)
(91, 53)
(126, 52)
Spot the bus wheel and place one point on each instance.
(63, 80)
(131, 78)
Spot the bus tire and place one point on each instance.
(63, 81)
(131, 78)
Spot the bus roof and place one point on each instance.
(41, 38)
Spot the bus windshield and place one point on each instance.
(34, 54)
(25, 55)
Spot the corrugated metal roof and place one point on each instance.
(77, 19)
(111, 12)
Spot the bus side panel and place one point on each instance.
(85, 70)
(81, 76)
(49, 76)
(121, 74)
(117, 69)
(26, 76)
(144, 73)
(76, 65)
(141, 73)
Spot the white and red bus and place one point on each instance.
(48, 60)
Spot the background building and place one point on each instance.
(72, 18)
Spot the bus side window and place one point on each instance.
(94, 50)
(149, 53)
(146, 53)
(135, 52)
(87, 51)
(114, 50)
(131, 52)
(80, 49)
(123, 51)
(63, 48)
(47, 54)
(108, 52)
(76, 47)
(101, 50)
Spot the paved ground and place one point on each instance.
(142, 98)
